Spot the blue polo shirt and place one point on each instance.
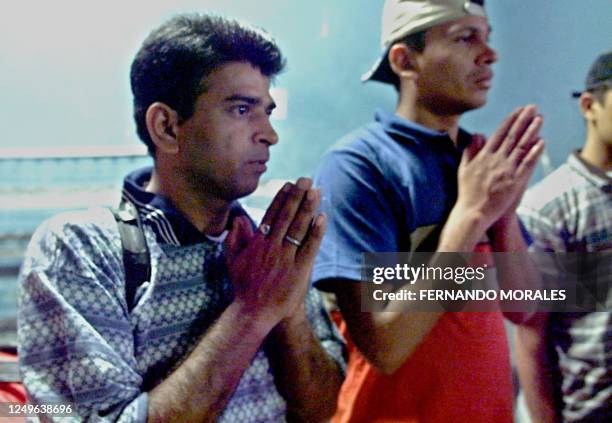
(385, 187)
(388, 187)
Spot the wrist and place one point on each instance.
(463, 229)
(252, 323)
(506, 234)
(504, 223)
(296, 319)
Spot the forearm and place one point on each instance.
(462, 231)
(305, 375)
(388, 338)
(534, 366)
(515, 268)
(199, 389)
(404, 325)
(385, 338)
(506, 236)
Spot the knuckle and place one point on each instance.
(295, 193)
(308, 206)
(284, 214)
(297, 224)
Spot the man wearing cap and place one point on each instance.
(414, 180)
(571, 211)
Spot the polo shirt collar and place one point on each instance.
(395, 124)
(593, 174)
(168, 223)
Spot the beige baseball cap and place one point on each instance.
(401, 18)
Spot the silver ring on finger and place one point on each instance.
(264, 228)
(293, 241)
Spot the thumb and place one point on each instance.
(238, 237)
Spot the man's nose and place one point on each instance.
(266, 132)
(488, 56)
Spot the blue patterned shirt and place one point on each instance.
(571, 211)
(79, 344)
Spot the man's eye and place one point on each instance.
(240, 110)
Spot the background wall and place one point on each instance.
(64, 68)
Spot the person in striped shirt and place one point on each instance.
(564, 365)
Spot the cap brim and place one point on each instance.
(380, 71)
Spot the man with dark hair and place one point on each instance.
(173, 61)
(415, 181)
(564, 366)
(225, 327)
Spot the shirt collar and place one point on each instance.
(168, 223)
(395, 124)
(595, 175)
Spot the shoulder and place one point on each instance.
(547, 208)
(75, 236)
(555, 196)
(366, 155)
(82, 225)
(550, 191)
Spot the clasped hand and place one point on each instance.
(270, 267)
(493, 175)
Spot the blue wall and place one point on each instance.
(64, 68)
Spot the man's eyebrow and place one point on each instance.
(244, 98)
(471, 29)
(253, 101)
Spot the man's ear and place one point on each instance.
(162, 124)
(402, 60)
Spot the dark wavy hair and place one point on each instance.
(175, 59)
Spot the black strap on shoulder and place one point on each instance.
(136, 260)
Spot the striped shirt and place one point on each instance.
(79, 344)
(571, 211)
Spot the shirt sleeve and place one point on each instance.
(76, 340)
(544, 233)
(361, 214)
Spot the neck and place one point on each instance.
(206, 212)
(597, 153)
(408, 107)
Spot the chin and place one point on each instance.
(475, 103)
(481, 99)
(242, 190)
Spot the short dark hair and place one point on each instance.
(599, 93)
(415, 42)
(174, 60)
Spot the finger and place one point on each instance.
(501, 132)
(310, 246)
(287, 213)
(518, 128)
(303, 218)
(274, 208)
(530, 161)
(246, 226)
(528, 140)
(478, 140)
(238, 237)
(231, 241)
